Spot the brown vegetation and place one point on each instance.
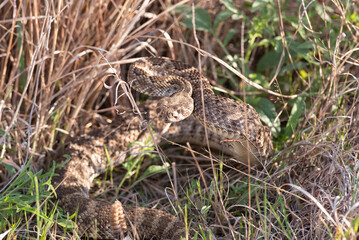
(55, 61)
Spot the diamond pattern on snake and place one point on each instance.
(189, 104)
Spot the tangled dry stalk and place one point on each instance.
(56, 57)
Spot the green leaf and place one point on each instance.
(11, 170)
(2, 133)
(154, 169)
(294, 118)
(269, 60)
(8, 93)
(238, 16)
(258, 5)
(356, 224)
(202, 19)
(221, 16)
(324, 14)
(65, 223)
(267, 113)
(151, 170)
(229, 36)
(229, 5)
(289, 67)
(184, 9)
(205, 209)
(22, 65)
(303, 49)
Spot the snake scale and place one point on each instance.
(187, 102)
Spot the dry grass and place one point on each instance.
(55, 58)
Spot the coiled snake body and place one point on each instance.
(184, 91)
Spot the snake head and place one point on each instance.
(175, 108)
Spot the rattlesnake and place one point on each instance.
(224, 118)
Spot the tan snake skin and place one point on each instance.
(225, 118)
